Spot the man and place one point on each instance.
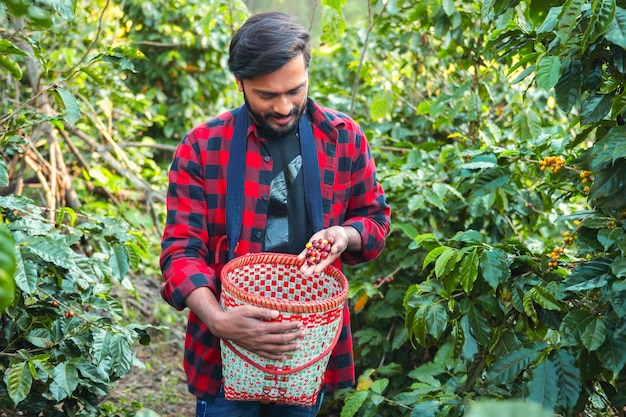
(297, 172)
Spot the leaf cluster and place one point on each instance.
(65, 338)
(505, 178)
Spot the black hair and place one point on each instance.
(266, 42)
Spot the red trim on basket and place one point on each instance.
(273, 370)
(290, 306)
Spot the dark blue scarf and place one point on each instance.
(237, 172)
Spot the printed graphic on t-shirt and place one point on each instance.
(277, 229)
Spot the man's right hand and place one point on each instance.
(252, 328)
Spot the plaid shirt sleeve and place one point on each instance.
(351, 191)
(189, 240)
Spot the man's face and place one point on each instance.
(277, 101)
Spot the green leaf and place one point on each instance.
(39, 16)
(490, 180)
(39, 337)
(602, 15)
(612, 353)
(353, 403)
(597, 282)
(65, 380)
(448, 7)
(479, 326)
(609, 149)
(71, 214)
(486, 10)
(18, 380)
(549, 23)
(608, 189)
(7, 47)
(470, 343)
(100, 345)
(93, 373)
(618, 268)
(529, 306)
(11, 66)
(65, 8)
(610, 237)
(379, 386)
(616, 32)
(332, 23)
(119, 262)
(572, 327)
(567, 19)
(121, 354)
(446, 262)
(595, 108)
(382, 105)
(506, 369)
(568, 379)
(527, 126)
(425, 409)
(594, 333)
(420, 326)
(4, 174)
(548, 71)
(494, 267)
(51, 250)
(8, 266)
(434, 254)
(508, 408)
(546, 299)
(72, 109)
(469, 270)
(94, 76)
(437, 320)
(472, 237)
(567, 89)
(543, 387)
(26, 274)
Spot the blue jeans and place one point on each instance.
(221, 407)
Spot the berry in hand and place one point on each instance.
(317, 250)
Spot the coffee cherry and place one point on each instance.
(552, 162)
(317, 250)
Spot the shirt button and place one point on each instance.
(265, 197)
(267, 159)
(258, 235)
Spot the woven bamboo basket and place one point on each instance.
(274, 281)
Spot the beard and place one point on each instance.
(262, 120)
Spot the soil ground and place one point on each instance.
(160, 384)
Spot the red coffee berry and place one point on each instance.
(318, 250)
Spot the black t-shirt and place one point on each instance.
(288, 226)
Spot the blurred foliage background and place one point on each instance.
(498, 129)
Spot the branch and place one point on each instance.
(370, 27)
(159, 146)
(93, 44)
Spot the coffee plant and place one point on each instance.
(64, 339)
(500, 138)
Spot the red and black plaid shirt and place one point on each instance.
(196, 222)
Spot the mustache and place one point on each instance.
(293, 112)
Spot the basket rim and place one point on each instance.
(287, 306)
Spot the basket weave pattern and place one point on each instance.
(274, 281)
